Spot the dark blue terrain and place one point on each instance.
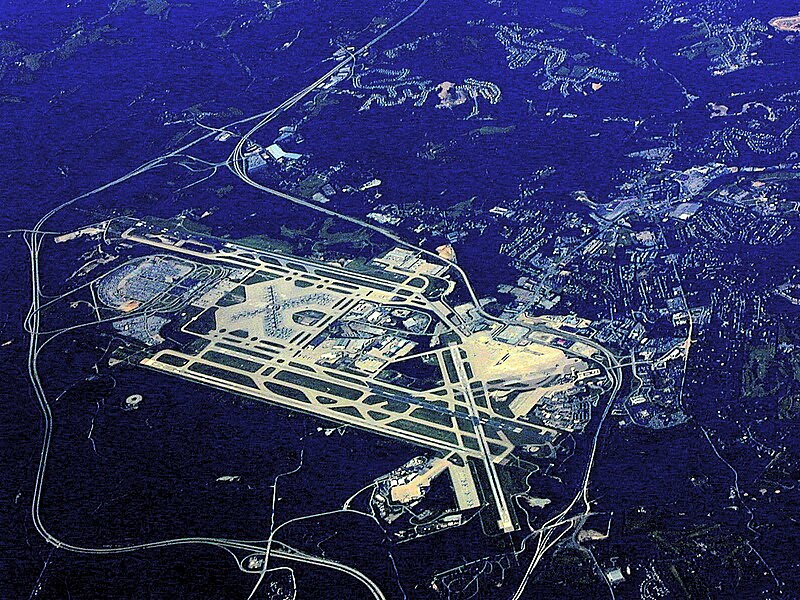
(599, 103)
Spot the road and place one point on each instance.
(34, 238)
(557, 527)
(547, 536)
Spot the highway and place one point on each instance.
(557, 527)
(34, 238)
(34, 242)
(548, 535)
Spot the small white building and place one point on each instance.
(278, 153)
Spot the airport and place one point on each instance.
(378, 349)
